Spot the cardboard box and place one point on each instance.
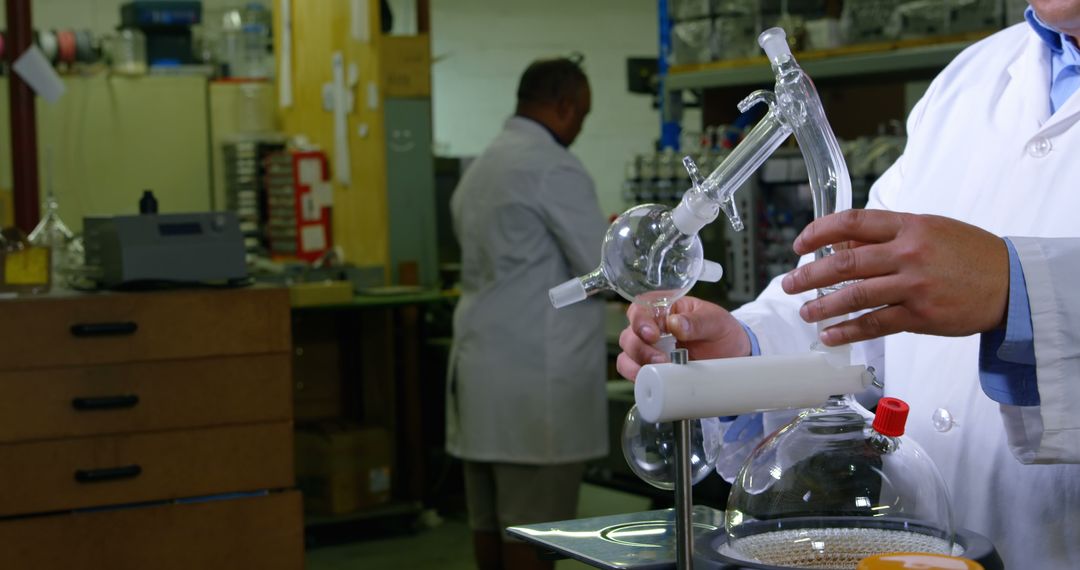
(342, 467)
(406, 66)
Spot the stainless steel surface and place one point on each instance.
(634, 541)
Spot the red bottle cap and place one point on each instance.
(891, 417)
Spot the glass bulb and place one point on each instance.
(647, 260)
(649, 449)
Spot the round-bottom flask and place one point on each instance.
(649, 449)
(831, 488)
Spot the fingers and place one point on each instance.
(844, 265)
(882, 322)
(643, 323)
(870, 226)
(637, 349)
(866, 294)
(627, 367)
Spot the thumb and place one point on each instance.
(697, 326)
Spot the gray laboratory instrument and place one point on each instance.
(193, 248)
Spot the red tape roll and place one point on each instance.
(65, 40)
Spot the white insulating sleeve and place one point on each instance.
(733, 386)
(567, 293)
(711, 271)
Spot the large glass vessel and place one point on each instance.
(834, 486)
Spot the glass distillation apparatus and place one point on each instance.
(652, 256)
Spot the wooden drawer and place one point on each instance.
(95, 471)
(55, 331)
(262, 532)
(144, 396)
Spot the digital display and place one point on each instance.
(180, 229)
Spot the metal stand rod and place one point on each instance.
(24, 165)
(684, 496)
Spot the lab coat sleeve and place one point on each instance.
(571, 213)
(1050, 432)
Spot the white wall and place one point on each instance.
(480, 48)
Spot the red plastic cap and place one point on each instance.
(891, 417)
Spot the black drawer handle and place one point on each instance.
(105, 403)
(108, 474)
(104, 329)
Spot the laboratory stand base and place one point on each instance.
(645, 541)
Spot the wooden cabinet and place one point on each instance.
(166, 414)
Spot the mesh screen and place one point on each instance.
(828, 548)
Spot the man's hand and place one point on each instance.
(704, 329)
(925, 274)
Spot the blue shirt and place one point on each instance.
(1064, 60)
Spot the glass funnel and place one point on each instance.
(834, 486)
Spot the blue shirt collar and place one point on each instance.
(1054, 39)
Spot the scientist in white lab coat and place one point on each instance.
(969, 256)
(526, 403)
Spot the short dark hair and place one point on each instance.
(550, 80)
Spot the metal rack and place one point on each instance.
(853, 61)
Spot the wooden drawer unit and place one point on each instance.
(97, 471)
(144, 396)
(113, 405)
(263, 533)
(107, 328)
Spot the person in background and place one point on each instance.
(967, 261)
(526, 403)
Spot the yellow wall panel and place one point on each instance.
(320, 28)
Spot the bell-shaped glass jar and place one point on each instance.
(834, 486)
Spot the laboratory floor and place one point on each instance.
(447, 545)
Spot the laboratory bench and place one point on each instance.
(148, 430)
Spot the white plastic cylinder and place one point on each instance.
(733, 386)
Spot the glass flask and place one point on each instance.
(834, 486)
(645, 259)
(649, 449)
(52, 233)
(651, 254)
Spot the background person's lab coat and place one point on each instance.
(526, 380)
(983, 148)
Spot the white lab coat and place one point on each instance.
(983, 148)
(526, 380)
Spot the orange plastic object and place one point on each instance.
(917, 561)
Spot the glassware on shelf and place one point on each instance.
(127, 52)
(834, 486)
